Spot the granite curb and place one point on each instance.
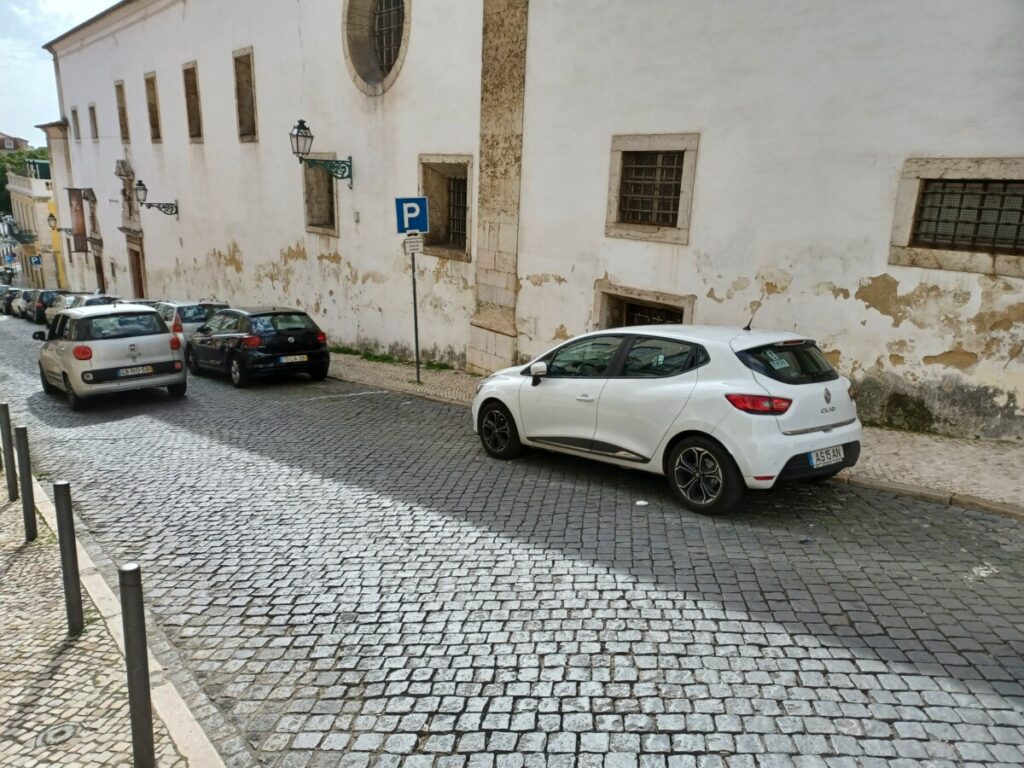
(184, 730)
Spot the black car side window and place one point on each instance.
(229, 324)
(650, 358)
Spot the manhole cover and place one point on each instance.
(56, 734)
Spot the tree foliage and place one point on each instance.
(15, 161)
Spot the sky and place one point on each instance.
(28, 93)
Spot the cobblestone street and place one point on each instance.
(340, 576)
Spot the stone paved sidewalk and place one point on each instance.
(63, 701)
(986, 469)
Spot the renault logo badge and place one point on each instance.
(828, 396)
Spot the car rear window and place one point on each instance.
(198, 313)
(120, 326)
(282, 323)
(793, 363)
(97, 300)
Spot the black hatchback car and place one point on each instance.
(259, 341)
(43, 301)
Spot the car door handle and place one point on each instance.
(585, 399)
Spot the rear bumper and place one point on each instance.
(129, 385)
(260, 364)
(799, 466)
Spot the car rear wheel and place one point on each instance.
(48, 388)
(178, 390)
(192, 362)
(75, 402)
(704, 477)
(498, 433)
(239, 376)
(320, 373)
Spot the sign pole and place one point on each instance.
(415, 317)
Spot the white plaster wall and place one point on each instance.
(806, 112)
(241, 234)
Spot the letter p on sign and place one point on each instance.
(412, 214)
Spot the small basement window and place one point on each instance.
(445, 182)
(970, 215)
(622, 305)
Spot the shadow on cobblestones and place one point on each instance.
(341, 570)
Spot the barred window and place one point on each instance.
(650, 188)
(457, 207)
(388, 22)
(970, 215)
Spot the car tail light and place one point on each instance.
(321, 338)
(251, 342)
(175, 342)
(760, 403)
(176, 326)
(82, 352)
(40, 305)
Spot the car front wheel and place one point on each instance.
(239, 376)
(498, 433)
(704, 477)
(192, 362)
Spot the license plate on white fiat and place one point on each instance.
(139, 370)
(826, 456)
(294, 358)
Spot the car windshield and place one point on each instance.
(799, 362)
(120, 326)
(198, 313)
(282, 323)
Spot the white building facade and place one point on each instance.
(854, 172)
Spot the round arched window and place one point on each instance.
(376, 34)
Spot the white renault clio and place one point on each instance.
(109, 348)
(716, 410)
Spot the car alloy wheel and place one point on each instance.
(192, 362)
(698, 475)
(704, 476)
(238, 375)
(498, 432)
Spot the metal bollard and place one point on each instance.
(8, 447)
(28, 500)
(68, 557)
(129, 578)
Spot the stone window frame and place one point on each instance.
(153, 107)
(688, 144)
(121, 103)
(94, 126)
(902, 253)
(235, 56)
(358, 46)
(76, 130)
(185, 68)
(606, 292)
(315, 228)
(441, 165)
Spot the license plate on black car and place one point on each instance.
(826, 456)
(294, 358)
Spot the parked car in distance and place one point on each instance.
(715, 410)
(62, 302)
(8, 299)
(6, 296)
(44, 299)
(139, 302)
(185, 317)
(259, 341)
(109, 348)
(19, 308)
(92, 300)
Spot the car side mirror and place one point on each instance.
(39, 335)
(203, 329)
(537, 370)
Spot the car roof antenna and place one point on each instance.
(754, 313)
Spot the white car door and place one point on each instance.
(642, 400)
(561, 409)
(53, 348)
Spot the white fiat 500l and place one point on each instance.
(109, 348)
(716, 410)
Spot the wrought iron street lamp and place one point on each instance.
(52, 221)
(302, 142)
(141, 193)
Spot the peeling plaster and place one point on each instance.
(547, 277)
(561, 334)
(954, 358)
(774, 281)
(711, 295)
(927, 306)
(828, 286)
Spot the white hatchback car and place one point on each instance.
(716, 410)
(109, 348)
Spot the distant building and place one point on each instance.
(10, 144)
(32, 203)
(832, 165)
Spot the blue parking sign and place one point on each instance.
(412, 214)
(35, 261)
